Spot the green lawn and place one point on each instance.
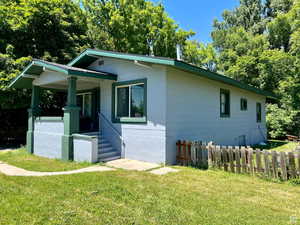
(20, 158)
(127, 197)
(280, 146)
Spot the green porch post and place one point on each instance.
(33, 111)
(71, 120)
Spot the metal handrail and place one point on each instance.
(111, 126)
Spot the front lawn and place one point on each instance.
(128, 197)
(27, 161)
(279, 146)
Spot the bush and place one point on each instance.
(280, 121)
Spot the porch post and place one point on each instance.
(33, 112)
(71, 120)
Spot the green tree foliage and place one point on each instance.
(133, 26)
(54, 30)
(201, 55)
(280, 122)
(263, 50)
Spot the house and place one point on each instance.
(137, 107)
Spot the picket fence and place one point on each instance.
(270, 164)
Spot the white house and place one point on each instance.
(137, 107)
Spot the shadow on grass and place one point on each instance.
(271, 144)
(10, 146)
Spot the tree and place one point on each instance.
(249, 15)
(54, 30)
(133, 26)
(201, 55)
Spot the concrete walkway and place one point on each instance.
(16, 171)
(129, 164)
(125, 164)
(163, 171)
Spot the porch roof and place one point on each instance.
(37, 67)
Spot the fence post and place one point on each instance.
(243, 155)
(250, 161)
(225, 158)
(218, 156)
(231, 162)
(283, 165)
(267, 163)
(292, 166)
(258, 161)
(178, 145)
(238, 159)
(298, 160)
(274, 164)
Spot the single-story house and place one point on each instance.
(134, 106)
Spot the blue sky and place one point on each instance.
(197, 15)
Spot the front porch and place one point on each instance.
(74, 134)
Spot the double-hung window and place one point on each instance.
(130, 101)
(224, 103)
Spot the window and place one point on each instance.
(224, 103)
(129, 101)
(244, 104)
(258, 112)
(84, 101)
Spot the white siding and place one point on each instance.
(193, 113)
(48, 138)
(142, 141)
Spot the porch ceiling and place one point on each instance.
(37, 67)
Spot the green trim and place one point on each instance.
(71, 120)
(126, 119)
(87, 52)
(173, 63)
(48, 118)
(84, 137)
(94, 75)
(33, 112)
(224, 115)
(221, 78)
(25, 82)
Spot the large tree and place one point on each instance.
(133, 26)
(258, 43)
(50, 29)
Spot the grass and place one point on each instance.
(279, 146)
(24, 160)
(190, 196)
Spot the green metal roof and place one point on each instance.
(36, 67)
(90, 55)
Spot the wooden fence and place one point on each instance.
(270, 164)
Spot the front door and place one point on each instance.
(88, 103)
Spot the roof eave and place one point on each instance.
(121, 56)
(220, 78)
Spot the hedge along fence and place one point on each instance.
(270, 164)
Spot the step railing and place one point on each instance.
(112, 128)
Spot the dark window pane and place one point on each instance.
(225, 103)
(258, 112)
(123, 102)
(80, 104)
(137, 101)
(244, 104)
(87, 105)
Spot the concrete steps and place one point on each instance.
(106, 152)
